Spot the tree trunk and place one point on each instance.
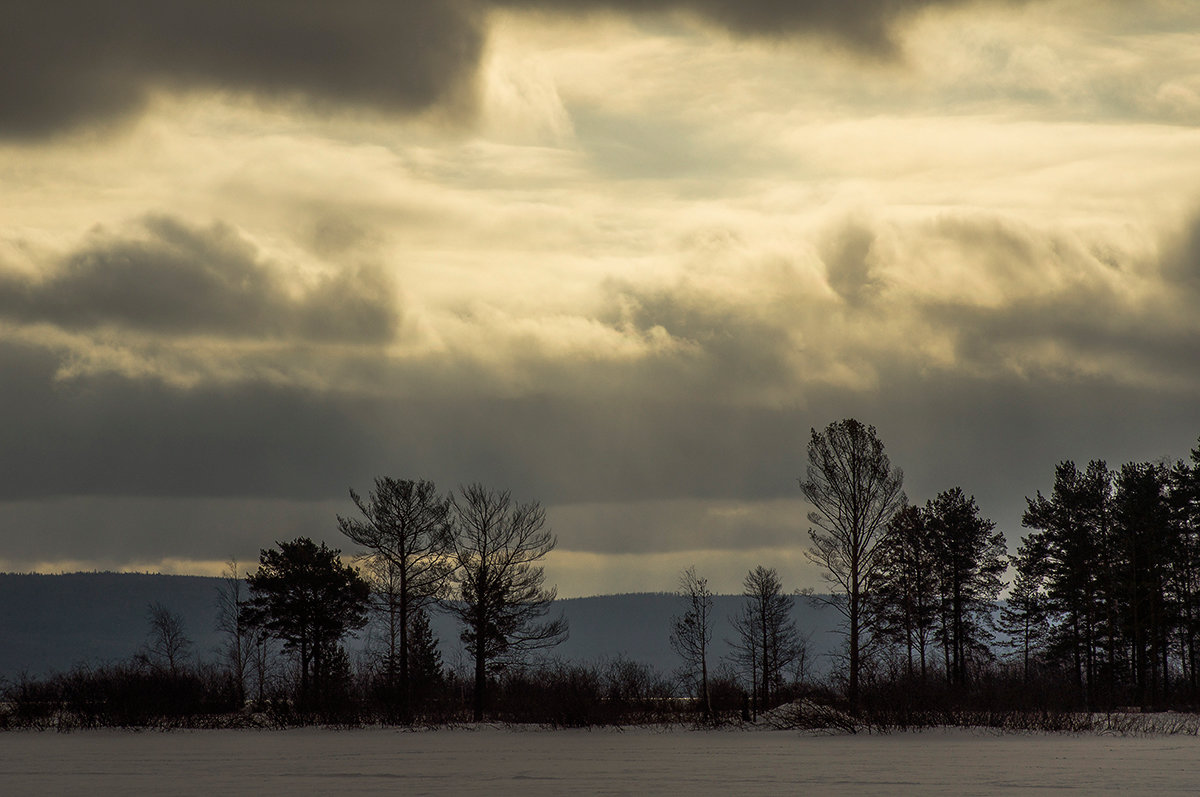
(405, 685)
(852, 686)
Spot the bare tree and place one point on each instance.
(502, 602)
(855, 491)
(745, 653)
(407, 530)
(166, 642)
(238, 647)
(768, 641)
(691, 632)
(263, 668)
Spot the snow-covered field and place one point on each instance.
(579, 762)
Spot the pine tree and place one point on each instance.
(971, 558)
(1073, 539)
(1025, 616)
(905, 595)
(424, 660)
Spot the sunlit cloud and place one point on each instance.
(619, 257)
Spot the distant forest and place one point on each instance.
(1102, 612)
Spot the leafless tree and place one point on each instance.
(767, 639)
(263, 664)
(238, 647)
(691, 632)
(501, 601)
(407, 530)
(166, 642)
(855, 491)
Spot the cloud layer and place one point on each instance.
(70, 63)
(658, 245)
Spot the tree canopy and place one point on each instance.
(303, 595)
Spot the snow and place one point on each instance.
(644, 761)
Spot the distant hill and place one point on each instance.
(53, 622)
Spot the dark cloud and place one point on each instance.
(66, 63)
(177, 279)
(724, 342)
(110, 435)
(292, 451)
(1072, 300)
(848, 264)
(72, 63)
(1181, 266)
(865, 25)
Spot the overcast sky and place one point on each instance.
(617, 256)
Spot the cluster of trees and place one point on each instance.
(766, 648)
(476, 554)
(908, 580)
(1107, 584)
(1105, 595)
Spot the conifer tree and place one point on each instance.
(971, 559)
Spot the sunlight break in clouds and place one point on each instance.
(617, 257)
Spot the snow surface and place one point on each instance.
(487, 760)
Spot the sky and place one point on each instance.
(617, 257)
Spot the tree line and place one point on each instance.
(1103, 611)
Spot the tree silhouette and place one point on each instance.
(767, 637)
(1073, 538)
(304, 596)
(691, 633)
(407, 530)
(1145, 541)
(424, 659)
(906, 593)
(240, 638)
(1184, 500)
(1025, 617)
(166, 641)
(855, 492)
(497, 546)
(971, 559)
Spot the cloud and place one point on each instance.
(848, 263)
(72, 63)
(1051, 306)
(170, 278)
(78, 64)
(867, 25)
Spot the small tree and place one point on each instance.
(424, 659)
(304, 596)
(855, 491)
(1025, 616)
(166, 641)
(767, 637)
(238, 648)
(502, 603)
(691, 633)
